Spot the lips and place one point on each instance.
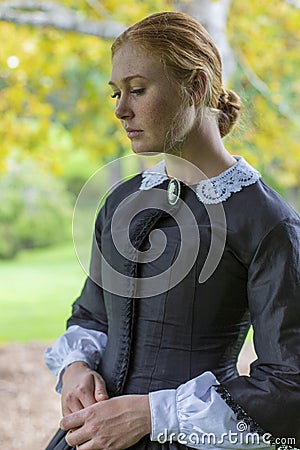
(132, 133)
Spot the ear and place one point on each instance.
(198, 87)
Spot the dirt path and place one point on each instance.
(30, 409)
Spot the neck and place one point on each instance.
(201, 156)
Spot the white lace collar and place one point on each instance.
(213, 190)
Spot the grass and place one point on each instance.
(37, 290)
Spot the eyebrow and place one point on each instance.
(126, 79)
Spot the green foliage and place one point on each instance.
(266, 39)
(76, 169)
(35, 209)
(54, 98)
(37, 290)
(50, 79)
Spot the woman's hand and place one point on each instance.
(81, 387)
(116, 423)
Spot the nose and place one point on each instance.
(123, 110)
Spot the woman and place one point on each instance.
(156, 366)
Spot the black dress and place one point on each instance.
(160, 341)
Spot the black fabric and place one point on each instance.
(58, 442)
(162, 341)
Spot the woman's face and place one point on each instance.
(146, 100)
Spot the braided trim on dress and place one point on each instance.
(243, 416)
(239, 411)
(131, 265)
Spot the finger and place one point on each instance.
(72, 421)
(86, 396)
(100, 389)
(85, 446)
(84, 391)
(65, 410)
(77, 437)
(71, 405)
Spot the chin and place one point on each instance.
(138, 148)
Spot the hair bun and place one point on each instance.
(229, 105)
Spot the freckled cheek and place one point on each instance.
(155, 115)
(161, 118)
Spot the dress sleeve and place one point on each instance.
(260, 410)
(86, 336)
(195, 415)
(89, 311)
(76, 344)
(271, 394)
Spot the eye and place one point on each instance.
(137, 91)
(116, 95)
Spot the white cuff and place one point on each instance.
(76, 344)
(163, 414)
(196, 416)
(72, 357)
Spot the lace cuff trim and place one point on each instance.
(213, 190)
(242, 415)
(238, 410)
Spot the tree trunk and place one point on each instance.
(213, 16)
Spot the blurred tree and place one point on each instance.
(265, 37)
(213, 15)
(53, 84)
(54, 94)
(35, 211)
